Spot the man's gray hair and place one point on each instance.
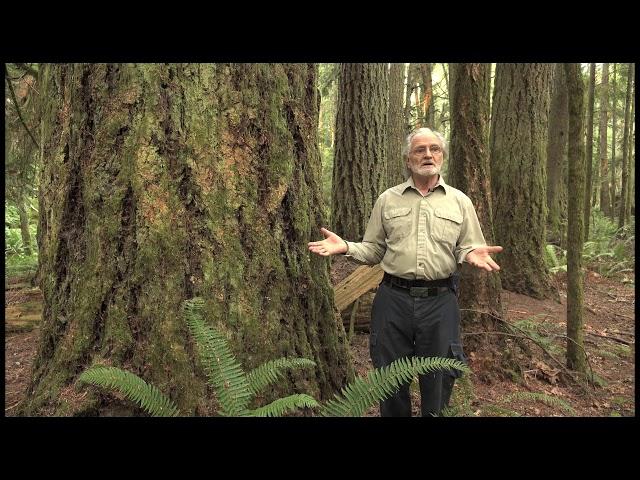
(418, 131)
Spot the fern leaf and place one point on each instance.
(542, 397)
(271, 371)
(278, 407)
(224, 373)
(361, 394)
(133, 387)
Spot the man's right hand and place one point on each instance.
(331, 245)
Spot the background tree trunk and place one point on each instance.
(164, 182)
(395, 162)
(605, 202)
(589, 150)
(556, 157)
(24, 226)
(360, 161)
(426, 102)
(411, 88)
(469, 166)
(631, 199)
(626, 144)
(575, 281)
(519, 132)
(614, 108)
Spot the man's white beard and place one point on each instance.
(427, 171)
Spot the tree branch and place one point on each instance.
(15, 102)
(26, 68)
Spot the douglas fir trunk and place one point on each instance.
(519, 134)
(165, 182)
(469, 166)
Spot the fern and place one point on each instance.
(235, 389)
(270, 372)
(133, 387)
(223, 371)
(552, 260)
(282, 405)
(541, 397)
(379, 384)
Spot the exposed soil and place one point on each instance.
(609, 343)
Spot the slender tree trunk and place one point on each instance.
(575, 280)
(446, 109)
(556, 155)
(164, 182)
(359, 165)
(24, 227)
(589, 150)
(395, 162)
(604, 124)
(626, 144)
(614, 108)
(426, 104)
(411, 88)
(519, 132)
(469, 158)
(631, 199)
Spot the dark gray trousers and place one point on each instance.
(406, 326)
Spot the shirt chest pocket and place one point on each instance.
(446, 226)
(397, 223)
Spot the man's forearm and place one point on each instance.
(365, 252)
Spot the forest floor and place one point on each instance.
(544, 388)
(609, 343)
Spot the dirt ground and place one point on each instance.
(543, 389)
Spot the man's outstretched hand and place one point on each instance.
(480, 258)
(331, 245)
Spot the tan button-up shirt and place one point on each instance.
(419, 237)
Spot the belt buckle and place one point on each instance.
(422, 291)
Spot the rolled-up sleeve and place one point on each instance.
(471, 236)
(373, 246)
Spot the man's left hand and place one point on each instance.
(480, 258)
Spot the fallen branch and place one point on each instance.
(12, 406)
(623, 316)
(615, 339)
(524, 335)
(629, 334)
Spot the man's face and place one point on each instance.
(423, 160)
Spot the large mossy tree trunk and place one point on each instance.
(360, 160)
(165, 182)
(519, 132)
(575, 280)
(557, 159)
(469, 171)
(395, 137)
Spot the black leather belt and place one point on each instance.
(419, 288)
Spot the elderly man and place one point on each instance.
(419, 231)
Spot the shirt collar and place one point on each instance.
(410, 183)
